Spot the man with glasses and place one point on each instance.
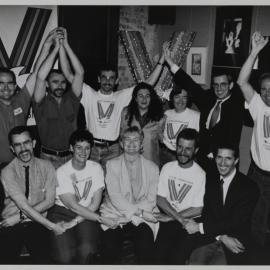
(259, 107)
(222, 109)
(29, 185)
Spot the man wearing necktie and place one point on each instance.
(229, 201)
(29, 185)
(221, 108)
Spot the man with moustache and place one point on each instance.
(180, 196)
(225, 227)
(29, 185)
(259, 107)
(56, 113)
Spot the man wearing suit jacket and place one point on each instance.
(222, 109)
(229, 201)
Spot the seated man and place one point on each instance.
(131, 186)
(78, 195)
(229, 201)
(180, 195)
(29, 185)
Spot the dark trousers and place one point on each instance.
(31, 234)
(261, 217)
(141, 236)
(174, 245)
(76, 245)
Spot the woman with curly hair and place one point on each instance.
(145, 111)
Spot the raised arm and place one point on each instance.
(76, 78)
(199, 95)
(152, 79)
(40, 86)
(31, 80)
(258, 42)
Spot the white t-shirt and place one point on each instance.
(176, 122)
(82, 183)
(260, 142)
(183, 188)
(103, 112)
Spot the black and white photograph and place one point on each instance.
(134, 135)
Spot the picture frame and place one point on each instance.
(232, 35)
(196, 64)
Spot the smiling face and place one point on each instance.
(22, 146)
(143, 99)
(7, 86)
(225, 161)
(57, 84)
(81, 152)
(107, 80)
(131, 143)
(185, 152)
(265, 91)
(180, 101)
(221, 86)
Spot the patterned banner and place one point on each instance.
(180, 44)
(138, 58)
(28, 40)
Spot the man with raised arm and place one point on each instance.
(103, 110)
(259, 107)
(29, 185)
(221, 107)
(56, 113)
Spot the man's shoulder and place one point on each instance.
(170, 166)
(149, 164)
(198, 168)
(245, 181)
(42, 163)
(10, 167)
(93, 165)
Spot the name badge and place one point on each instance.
(18, 111)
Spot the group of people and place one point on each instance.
(168, 181)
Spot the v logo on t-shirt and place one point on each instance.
(181, 193)
(170, 130)
(107, 113)
(266, 128)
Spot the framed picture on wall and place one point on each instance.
(232, 35)
(196, 64)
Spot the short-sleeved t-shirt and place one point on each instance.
(260, 142)
(176, 122)
(82, 183)
(56, 123)
(11, 116)
(182, 187)
(42, 178)
(103, 112)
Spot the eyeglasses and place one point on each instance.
(221, 86)
(10, 85)
(265, 90)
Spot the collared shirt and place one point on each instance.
(56, 122)
(227, 181)
(211, 112)
(12, 115)
(42, 177)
